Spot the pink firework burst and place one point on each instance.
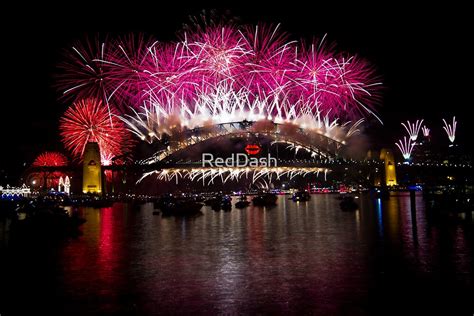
(269, 71)
(356, 87)
(83, 74)
(135, 71)
(171, 76)
(216, 52)
(311, 66)
(346, 86)
(128, 63)
(90, 120)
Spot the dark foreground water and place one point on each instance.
(296, 258)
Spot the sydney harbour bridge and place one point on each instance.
(299, 154)
(220, 89)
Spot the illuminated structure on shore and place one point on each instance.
(387, 175)
(91, 172)
(64, 185)
(389, 167)
(8, 191)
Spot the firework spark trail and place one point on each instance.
(450, 129)
(292, 145)
(82, 74)
(406, 147)
(171, 76)
(209, 175)
(227, 106)
(89, 121)
(125, 62)
(354, 129)
(426, 131)
(216, 52)
(413, 129)
(268, 60)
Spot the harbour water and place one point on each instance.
(295, 258)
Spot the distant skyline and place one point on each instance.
(421, 55)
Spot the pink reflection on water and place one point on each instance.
(106, 247)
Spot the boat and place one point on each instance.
(301, 196)
(180, 207)
(212, 201)
(49, 221)
(163, 201)
(242, 202)
(348, 204)
(265, 199)
(219, 202)
(226, 203)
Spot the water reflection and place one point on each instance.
(304, 257)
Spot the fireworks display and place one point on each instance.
(50, 159)
(91, 121)
(213, 75)
(221, 73)
(413, 129)
(219, 82)
(426, 131)
(450, 129)
(46, 178)
(208, 175)
(406, 147)
(227, 106)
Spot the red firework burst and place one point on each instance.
(50, 159)
(48, 179)
(89, 120)
(128, 63)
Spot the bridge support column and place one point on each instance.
(91, 172)
(390, 174)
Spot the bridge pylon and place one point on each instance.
(91, 170)
(390, 173)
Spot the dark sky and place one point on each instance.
(422, 54)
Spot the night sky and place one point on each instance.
(421, 54)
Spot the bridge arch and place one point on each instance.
(319, 145)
